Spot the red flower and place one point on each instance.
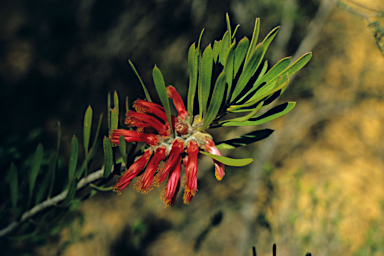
(146, 180)
(190, 163)
(132, 172)
(211, 148)
(152, 128)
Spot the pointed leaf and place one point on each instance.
(245, 139)
(229, 161)
(162, 92)
(240, 52)
(109, 110)
(228, 25)
(206, 75)
(255, 36)
(123, 148)
(249, 70)
(114, 119)
(116, 102)
(108, 157)
(216, 101)
(73, 158)
(147, 96)
(267, 116)
(192, 62)
(228, 68)
(216, 49)
(36, 164)
(13, 185)
(234, 32)
(246, 117)
(87, 128)
(225, 45)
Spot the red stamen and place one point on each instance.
(174, 159)
(211, 148)
(177, 101)
(132, 172)
(144, 184)
(190, 163)
(173, 186)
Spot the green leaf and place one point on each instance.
(116, 102)
(249, 70)
(109, 110)
(267, 116)
(101, 188)
(228, 68)
(234, 32)
(255, 36)
(114, 119)
(205, 81)
(87, 128)
(216, 101)
(228, 25)
(13, 185)
(162, 92)
(216, 49)
(229, 161)
(225, 45)
(192, 62)
(123, 148)
(87, 133)
(71, 193)
(147, 96)
(245, 139)
(262, 72)
(246, 117)
(240, 52)
(73, 157)
(108, 157)
(36, 164)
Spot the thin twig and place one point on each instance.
(52, 201)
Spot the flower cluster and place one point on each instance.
(150, 125)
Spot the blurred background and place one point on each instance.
(316, 184)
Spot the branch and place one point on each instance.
(53, 201)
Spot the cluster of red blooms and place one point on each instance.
(182, 147)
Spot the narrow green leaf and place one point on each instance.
(245, 139)
(249, 70)
(268, 39)
(225, 45)
(36, 164)
(87, 133)
(192, 79)
(109, 110)
(114, 119)
(262, 72)
(126, 104)
(13, 185)
(101, 188)
(206, 76)
(123, 148)
(73, 158)
(162, 92)
(234, 32)
(228, 68)
(87, 128)
(216, 101)
(246, 117)
(71, 193)
(229, 161)
(267, 116)
(255, 36)
(116, 102)
(216, 49)
(228, 25)
(147, 96)
(108, 157)
(240, 52)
